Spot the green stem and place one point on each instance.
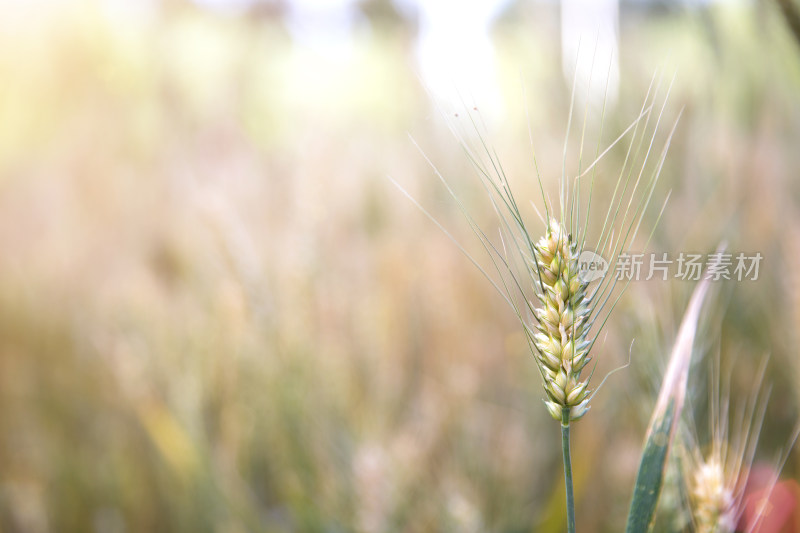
(567, 469)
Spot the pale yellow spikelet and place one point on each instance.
(561, 342)
(712, 493)
(716, 474)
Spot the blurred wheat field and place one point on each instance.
(217, 314)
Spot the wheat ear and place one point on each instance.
(561, 342)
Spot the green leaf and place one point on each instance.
(664, 421)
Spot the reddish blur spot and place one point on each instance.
(770, 511)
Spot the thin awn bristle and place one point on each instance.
(597, 151)
(644, 112)
(545, 199)
(607, 289)
(564, 190)
(576, 198)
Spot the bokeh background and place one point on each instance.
(217, 313)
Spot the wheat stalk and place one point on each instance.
(562, 329)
